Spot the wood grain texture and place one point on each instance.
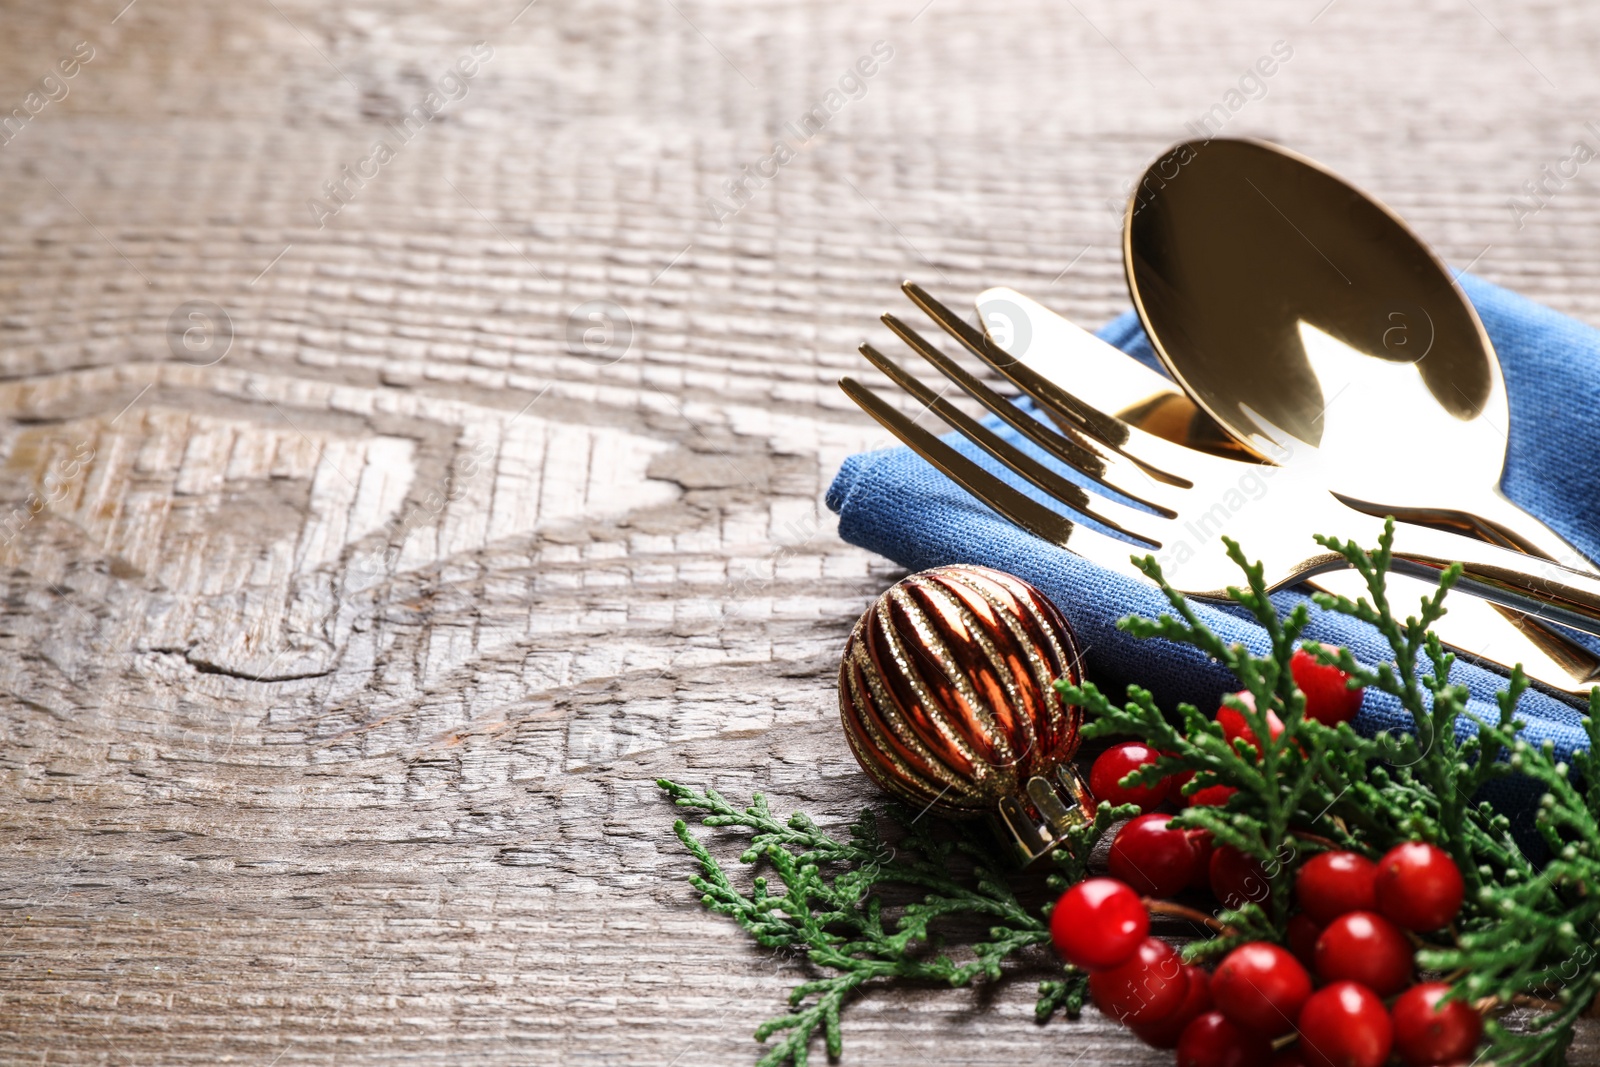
(334, 672)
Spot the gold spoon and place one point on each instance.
(1302, 314)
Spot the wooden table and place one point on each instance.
(355, 592)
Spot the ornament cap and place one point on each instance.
(1049, 809)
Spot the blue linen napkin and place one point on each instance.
(894, 503)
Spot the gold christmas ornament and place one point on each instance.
(947, 696)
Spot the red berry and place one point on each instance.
(1212, 1040)
(1328, 699)
(1116, 762)
(1427, 1033)
(1212, 796)
(1366, 948)
(1419, 886)
(1203, 845)
(1303, 934)
(1166, 1032)
(1146, 989)
(1152, 859)
(1234, 726)
(1098, 923)
(1177, 780)
(1261, 987)
(1236, 878)
(1334, 883)
(1345, 1025)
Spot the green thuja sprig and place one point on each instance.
(1540, 937)
(1527, 936)
(1287, 784)
(1429, 786)
(824, 899)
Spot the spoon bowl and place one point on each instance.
(1313, 325)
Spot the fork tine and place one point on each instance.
(1112, 432)
(1079, 452)
(1011, 505)
(1053, 484)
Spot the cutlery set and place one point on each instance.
(1326, 371)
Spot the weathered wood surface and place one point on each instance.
(335, 670)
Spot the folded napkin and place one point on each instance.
(894, 503)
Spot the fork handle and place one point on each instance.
(1516, 580)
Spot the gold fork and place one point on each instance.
(1180, 502)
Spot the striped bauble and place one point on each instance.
(946, 689)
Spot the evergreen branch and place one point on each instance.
(1524, 932)
(1062, 994)
(823, 902)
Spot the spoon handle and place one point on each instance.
(1500, 521)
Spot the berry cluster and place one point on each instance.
(1159, 862)
(1353, 931)
(1261, 995)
